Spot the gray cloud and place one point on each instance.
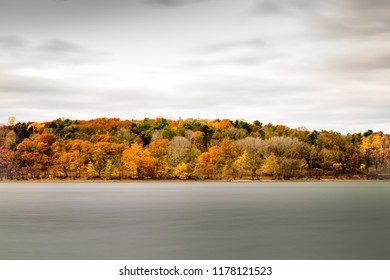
(270, 8)
(32, 99)
(11, 42)
(60, 47)
(25, 54)
(171, 3)
(333, 18)
(362, 61)
(318, 102)
(348, 19)
(281, 102)
(244, 60)
(22, 87)
(350, 61)
(248, 52)
(287, 7)
(61, 51)
(256, 42)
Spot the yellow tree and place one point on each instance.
(271, 166)
(138, 162)
(159, 150)
(99, 152)
(218, 160)
(375, 148)
(181, 171)
(70, 157)
(11, 121)
(255, 150)
(241, 164)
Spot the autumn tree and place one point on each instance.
(255, 150)
(181, 171)
(234, 133)
(36, 127)
(71, 157)
(10, 140)
(11, 121)
(159, 149)
(218, 161)
(241, 165)
(196, 138)
(271, 166)
(109, 148)
(290, 153)
(105, 157)
(138, 163)
(7, 167)
(375, 149)
(178, 151)
(42, 145)
(27, 154)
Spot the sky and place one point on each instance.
(301, 63)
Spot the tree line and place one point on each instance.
(110, 148)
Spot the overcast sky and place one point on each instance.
(318, 64)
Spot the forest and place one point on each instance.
(191, 149)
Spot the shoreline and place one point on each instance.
(118, 181)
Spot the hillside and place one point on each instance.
(186, 149)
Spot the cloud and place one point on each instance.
(240, 60)
(322, 64)
(62, 51)
(171, 3)
(25, 69)
(245, 52)
(320, 102)
(11, 42)
(22, 87)
(33, 98)
(361, 61)
(60, 47)
(18, 53)
(354, 18)
(256, 42)
(53, 50)
(286, 7)
(290, 102)
(269, 7)
(346, 18)
(348, 60)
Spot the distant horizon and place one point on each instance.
(201, 119)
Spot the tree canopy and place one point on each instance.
(110, 148)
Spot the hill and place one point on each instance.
(186, 149)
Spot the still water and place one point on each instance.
(235, 220)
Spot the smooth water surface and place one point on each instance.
(264, 220)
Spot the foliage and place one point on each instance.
(185, 149)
